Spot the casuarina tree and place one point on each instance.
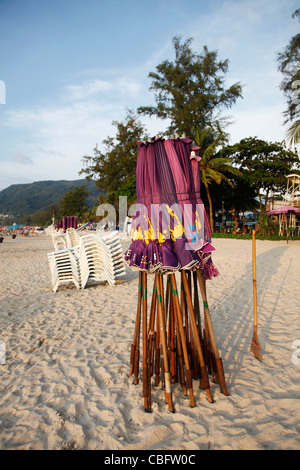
(265, 165)
(289, 65)
(190, 91)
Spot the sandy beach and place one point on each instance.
(66, 385)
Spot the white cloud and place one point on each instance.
(91, 91)
(22, 159)
(87, 90)
(55, 134)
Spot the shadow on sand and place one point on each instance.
(234, 326)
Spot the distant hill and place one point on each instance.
(22, 199)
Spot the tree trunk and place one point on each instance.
(266, 201)
(211, 218)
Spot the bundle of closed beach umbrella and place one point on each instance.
(171, 240)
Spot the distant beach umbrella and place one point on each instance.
(284, 210)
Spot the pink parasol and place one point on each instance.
(284, 210)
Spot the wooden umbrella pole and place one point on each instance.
(206, 344)
(167, 294)
(215, 351)
(178, 340)
(157, 352)
(183, 345)
(185, 315)
(161, 361)
(146, 387)
(135, 347)
(192, 343)
(254, 280)
(171, 331)
(151, 332)
(204, 375)
(187, 328)
(211, 353)
(255, 346)
(196, 305)
(162, 322)
(193, 354)
(168, 303)
(198, 322)
(172, 342)
(201, 333)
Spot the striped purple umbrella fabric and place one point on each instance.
(67, 222)
(183, 149)
(195, 159)
(184, 188)
(170, 229)
(155, 186)
(196, 224)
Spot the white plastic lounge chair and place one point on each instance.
(64, 267)
(72, 237)
(59, 241)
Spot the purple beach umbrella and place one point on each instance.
(168, 188)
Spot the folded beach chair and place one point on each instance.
(112, 256)
(100, 258)
(90, 260)
(64, 267)
(91, 257)
(49, 230)
(72, 237)
(59, 241)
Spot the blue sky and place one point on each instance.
(71, 67)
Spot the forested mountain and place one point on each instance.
(22, 199)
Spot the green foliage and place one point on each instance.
(73, 202)
(293, 133)
(288, 64)
(41, 218)
(114, 168)
(213, 167)
(239, 197)
(27, 199)
(191, 90)
(129, 190)
(248, 236)
(264, 165)
(265, 225)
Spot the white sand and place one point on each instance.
(65, 383)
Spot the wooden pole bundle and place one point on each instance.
(178, 346)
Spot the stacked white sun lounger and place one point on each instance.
(112, 255)
(97, 256)
(64, 267)
(59, 240)
(72, 237)
(90, 260)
